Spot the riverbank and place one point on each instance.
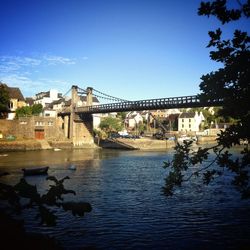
(120, 143)
(31, 144)
(133, 144)
(19, 145)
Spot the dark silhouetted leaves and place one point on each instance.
(53, 198)
(208, 176)
(77, 208)
(231, 84)
(56, 191)
(26, 190)
(47, 217)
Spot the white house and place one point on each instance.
(190, 122)
(133, 118)
(46, 98)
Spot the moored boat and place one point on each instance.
(35, 171)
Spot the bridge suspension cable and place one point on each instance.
(66, 93)
(101, 95)
(81, 90)
(108, 97)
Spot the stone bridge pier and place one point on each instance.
(79, 128)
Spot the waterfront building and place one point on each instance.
(190, 122)
(16, 100)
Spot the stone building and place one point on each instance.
(35, 127)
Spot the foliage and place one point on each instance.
(231, 82)
(23, 111)
(16, 195)
(110, 124)
(141, 127)
(23, 196)
(35, 109)
(121, 115)
(4, 99)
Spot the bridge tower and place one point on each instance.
(89, 96)
(81, 126)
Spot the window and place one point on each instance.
(182, 120)
(39, 123)
(50, 123)
(189, 120)
(182, 125)
(189, 125)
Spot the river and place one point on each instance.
(129, 210)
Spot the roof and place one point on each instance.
(15, 93)
(172, 117)
(58, 101)
(44, 94)
(187, 115)
(29, 100)
(84, 99)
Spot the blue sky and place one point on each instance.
(132, 49)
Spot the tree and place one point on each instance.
(4, 99)
(110, 124)
(231, 84)
(23, 111)
(36, 109)
(141, 127)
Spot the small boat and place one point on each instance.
(184, 138)
(3, 155)
(57, 149)
(72, 167)
(35, 171)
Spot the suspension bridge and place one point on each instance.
(120, 105)
(77, 119)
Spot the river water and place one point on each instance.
(129, 210)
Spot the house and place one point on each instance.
(132, 119)
(46, 98)
(145, 115)
(158, 113)
(56, 106)
(96, 117)
(169, 112)
(16, 101)
(190, 122)
(29, 101)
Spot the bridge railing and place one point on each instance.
(150, 104)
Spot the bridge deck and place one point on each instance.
(150, 104)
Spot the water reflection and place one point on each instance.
(129, 210)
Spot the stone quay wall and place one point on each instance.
(25, 127)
